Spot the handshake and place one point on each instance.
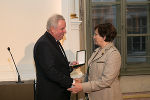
(76, 87)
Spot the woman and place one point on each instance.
(103, 67)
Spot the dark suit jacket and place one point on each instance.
(52, 70)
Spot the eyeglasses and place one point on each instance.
(96, 34)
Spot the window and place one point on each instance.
(132, 21)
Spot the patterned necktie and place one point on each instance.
(61, 48)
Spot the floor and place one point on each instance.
(138, 99)
(126, 96)
(137, 96)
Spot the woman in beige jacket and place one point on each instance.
(103, 67)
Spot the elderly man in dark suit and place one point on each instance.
(52, 66)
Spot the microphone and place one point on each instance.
(19, 79)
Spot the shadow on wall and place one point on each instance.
(26, 66)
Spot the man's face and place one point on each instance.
(60, 30)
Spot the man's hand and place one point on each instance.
(77, 87)
(73, 63)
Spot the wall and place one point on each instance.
(22, 23)
(140, 83)
(71, 41)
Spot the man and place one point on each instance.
(52, 66)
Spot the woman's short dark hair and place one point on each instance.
(107, 30)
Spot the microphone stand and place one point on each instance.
(19, 79)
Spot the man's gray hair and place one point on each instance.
(53, 21)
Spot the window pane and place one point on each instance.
(138, 18)
(103, 0)
(138, 49)
(103, 14)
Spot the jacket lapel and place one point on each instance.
(96, 55)
(55, 44)
(99, 53)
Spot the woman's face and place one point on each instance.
(98, 40)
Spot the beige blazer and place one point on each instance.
(104, 67)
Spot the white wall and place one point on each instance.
(71, 41)
(22, 22)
